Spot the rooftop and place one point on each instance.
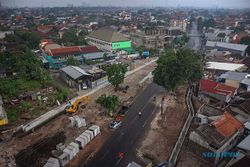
(74, 50)
(74, 72)
(216, 88)
(108, 35)
(232, 46)
(227, 125)
(238, 76)
(245, 144)
(224, 66)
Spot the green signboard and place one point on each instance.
(121, 45)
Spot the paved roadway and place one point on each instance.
(125, 139)
(194, 42)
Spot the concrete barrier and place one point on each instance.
(86, 135)
(52, 162)
(64, 159)
(80, 141)
(91, 133)
(75, 147)
(95, 129)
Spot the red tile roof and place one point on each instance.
(66, 50)
(227, 125)
(73, 50)
(89, 49)
(216, 88)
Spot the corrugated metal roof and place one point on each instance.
(224, 66)
(237, 76)
(245, 144)
(232, 46)
(74, 72)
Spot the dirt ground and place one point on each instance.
(93, 114)
(165, 128)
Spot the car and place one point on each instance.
(84, 86)
(115, 124)
(123, 110)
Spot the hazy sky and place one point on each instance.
(149, 3)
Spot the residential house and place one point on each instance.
(236, 79)
(74, 76)
(221, 92)
(217, 137)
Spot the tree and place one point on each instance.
(70, 38)
(30, 39)
(174, 69)
(73, 62)
(116, 74)
(108, 102)
(209, 23)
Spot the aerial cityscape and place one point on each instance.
(105, 83)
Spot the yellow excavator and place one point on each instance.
(3, 121)
(75, 105)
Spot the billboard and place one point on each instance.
(121, 45)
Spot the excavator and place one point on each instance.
(75, 105)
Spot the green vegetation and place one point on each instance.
(177, 68)
(72, 61)
(116, 74)
(27, 70)
(12, 115)
(61, 94)
(29, 39)
(180, 41)
(108, 102)
(70, 38)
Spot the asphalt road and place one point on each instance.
(126, 138)
(194, 42)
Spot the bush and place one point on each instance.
(62, 94)
(108, 102)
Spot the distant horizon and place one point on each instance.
(209, 4)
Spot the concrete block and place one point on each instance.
(95, 129)
(78, 122)
(69, 151)
(85, 138)
(72, 121)
(80, 141)
(54, 162)
(64, 159)
(75, 146)
(60, 146)
(91, 134)
(87, 135)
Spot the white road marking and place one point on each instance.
(105, 154)
(118, 162)
(144, 124)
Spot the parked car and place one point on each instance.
(115, 124)
(123, 110)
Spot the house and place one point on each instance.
(4, 33)
(58, 57)
(47, 44)
(236, 49)
(215, 69)
(217, 137)
(108, 40)
(216, 90)
(207, 114)
(74, 76)
(244, 145)
(236, 79)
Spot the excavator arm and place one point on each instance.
(75, 105)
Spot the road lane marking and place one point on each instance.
(105, 154)
(118, 162)
(144, 124)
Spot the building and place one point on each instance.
(236, 49)
(74, 76)
(108, 40)
(236, 79)
(216, 90)
(217, 137)
(58, 57)
(219, 35)
(181, 23)
(4, 33)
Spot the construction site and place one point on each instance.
(34, 142)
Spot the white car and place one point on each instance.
(115, 124)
